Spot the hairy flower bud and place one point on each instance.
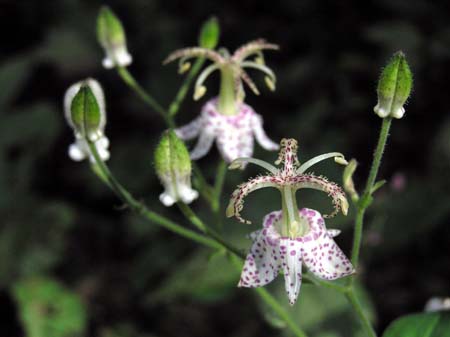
(111, 36)
(84, 109)
(173, 167)
(209, 34)
(394, 87)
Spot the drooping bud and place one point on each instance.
(84, 109)
(111, 36)
(209, 34)
(173, 167)
(394, 87)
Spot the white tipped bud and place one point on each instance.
(394, 88)
(84, 109)
(173, 167)
(111, 37)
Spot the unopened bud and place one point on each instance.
(111, 37)
(84, 109)
(209, 34)
(173, 167)
(394, 87)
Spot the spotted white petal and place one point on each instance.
(204, 143)
(191, 130)
(291, 257)
(263, 261)
(322, 255)
(261, 136)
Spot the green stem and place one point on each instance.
(141, 209)
(280, 311)
(362, 206)
(358, 309)
(197, 222)
(364, 202)
(218, 186)
(182, 92)
(148, 99)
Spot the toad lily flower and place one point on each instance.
(290, 237)
(92, 126)
(226, 118)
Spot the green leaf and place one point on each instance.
(209, 34)
(201, 277)
(431, 324)
(48, 309)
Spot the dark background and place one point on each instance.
(134, 279)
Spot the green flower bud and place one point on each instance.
(394, 87)
(173, 167)
(84, 108)
(209, 34)
(111, 36)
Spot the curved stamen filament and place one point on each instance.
(237, 163)
(322, 184)
(188, 53)
(246, 78)
(237, 198)
(315, 160)
(205, 73)
(251, 48)
(260, 67)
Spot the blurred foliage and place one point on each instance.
(47, 309)
(431, 324)
(139, 281)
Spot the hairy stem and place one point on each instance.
(218, 186)
(364, 202)
(280, 311)
(147, 98)
(358, 309)
(141, 209)
(182, 92)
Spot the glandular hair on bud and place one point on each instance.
(84, 109)
(173, 167)
(394, 87)
(171, 155)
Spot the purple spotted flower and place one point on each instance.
(291, 237)
(227, 119)
(233, 134)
